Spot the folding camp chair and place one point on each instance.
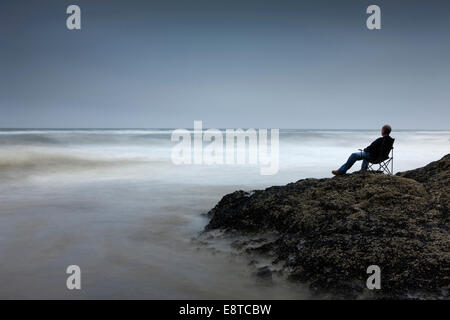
(385, 160)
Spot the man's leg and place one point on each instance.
(351, 160)
(365, 163)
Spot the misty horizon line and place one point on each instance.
(205, 128)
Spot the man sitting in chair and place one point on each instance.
(372, 153)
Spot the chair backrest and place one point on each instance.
(386, 148)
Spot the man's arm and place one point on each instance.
(374, 145)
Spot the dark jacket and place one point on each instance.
(380, 148)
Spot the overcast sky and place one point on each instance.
(230, 63)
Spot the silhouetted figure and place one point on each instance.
(378, 150)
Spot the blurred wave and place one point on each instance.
(303, 153)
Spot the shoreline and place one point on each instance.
(330, 230)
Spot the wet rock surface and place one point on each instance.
(330, 230)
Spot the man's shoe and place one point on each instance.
(336, 172)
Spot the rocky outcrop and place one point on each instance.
(330, 230)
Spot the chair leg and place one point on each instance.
(385, 166)
(392, 163)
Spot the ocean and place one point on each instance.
(112, 202)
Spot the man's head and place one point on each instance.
(386, 130)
